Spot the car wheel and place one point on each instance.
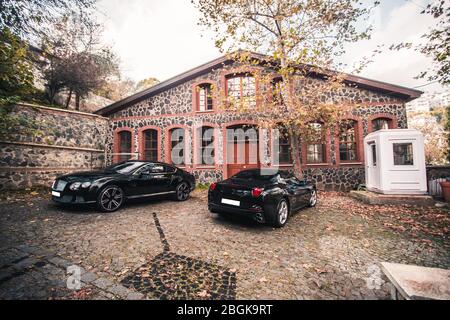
(110, 199)
(182, 191)
(282, 214)
(313, 198)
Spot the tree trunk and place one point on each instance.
(69, 97)
(295, 153)
(77, 101)
(50, 95)
(293, 136)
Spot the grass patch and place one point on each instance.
(203, 186)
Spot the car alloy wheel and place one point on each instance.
(183, 191)
(111, 198)
(283, 212)
(313, 198)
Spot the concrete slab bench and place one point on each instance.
(417, 283)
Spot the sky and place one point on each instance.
(161, 39)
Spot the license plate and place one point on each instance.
(56, 194)
(231, 202)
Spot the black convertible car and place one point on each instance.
(268, 196)
(108, 189)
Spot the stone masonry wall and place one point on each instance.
(174, 107)
(61, 142)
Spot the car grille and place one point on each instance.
(60, 185)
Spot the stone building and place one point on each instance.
(145, 125)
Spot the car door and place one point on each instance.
(143, 182)
(162, 178)
(148, 180)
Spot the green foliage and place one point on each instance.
(202, 186)
(16, 75)
(14, 124)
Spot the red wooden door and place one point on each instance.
(248, 160)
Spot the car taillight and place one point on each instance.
(212, 186)
(256, 192)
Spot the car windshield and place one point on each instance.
(126, 167)
(256, 174)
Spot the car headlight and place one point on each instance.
(53, 184)
(75, 186)
(86, 184)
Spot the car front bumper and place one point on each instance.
(71, 198)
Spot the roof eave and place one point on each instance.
(405, 93)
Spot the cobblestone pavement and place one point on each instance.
(159, 249)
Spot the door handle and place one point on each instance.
(158, 177)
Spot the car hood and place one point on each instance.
(89, 176)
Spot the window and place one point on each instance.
(204, 97)
(124, 146)
(206, 144)
(381, 123)
(373, 147)
(242, 89)
(315, 148)
(284, 141)
(150, 168)
(277, 90)
(347, 141)
(150, 145)
(403, 154)
(126, 167)
(177, 146)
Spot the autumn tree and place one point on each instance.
(146, 83)
(301, 41)
(77, 60)
(447, 130)
(30, 19)
(117, 88)
(87, 72)
(435, 136)
(435, 44)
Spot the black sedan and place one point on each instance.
(266, 195)
(109, 188)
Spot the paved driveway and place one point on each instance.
(159, 249)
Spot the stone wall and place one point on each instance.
(60, 142)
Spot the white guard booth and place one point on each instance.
(395, 162)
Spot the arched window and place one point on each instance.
(316, 145)
(204, 97)
(381, 123)
(284, 141)
(124, 147)
(205, 143)
(242, 89)
(150, 145)
(177, 140)
(348, 141)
